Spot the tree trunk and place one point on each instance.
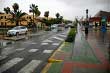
(17, 24)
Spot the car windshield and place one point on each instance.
(15, 28)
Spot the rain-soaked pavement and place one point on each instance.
(90, 53)
(30, 55)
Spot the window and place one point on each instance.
(23, 27)
(5, 17)
(5, 23)
(2, 23)
(1, 17)
(29, 17)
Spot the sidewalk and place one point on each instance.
(83, 56)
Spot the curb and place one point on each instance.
(51, 60)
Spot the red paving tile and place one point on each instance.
(69, 66)
(96, 66)
(100, 56)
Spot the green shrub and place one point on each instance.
(71, 35)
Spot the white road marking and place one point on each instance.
(33, 43)
(47, 51)
(29, 68)
(2, 57)
(44, 43)
(47, 41)
(8, 48)
(10, 64)
(20, 49)
(62, 35)
(33, 50)
(55, 44)
(29, 42)
(58, 38)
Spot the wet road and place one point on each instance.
(30, 56)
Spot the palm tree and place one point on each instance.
(17, 17)
(46, 14)
(57, 15)
(34, 9)
(61, 19)
(37, 12)
(16, 14)
(7, 10)
(15, 7)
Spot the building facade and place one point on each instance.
(4, 20)
(98, 18)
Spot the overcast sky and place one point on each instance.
(69, 9)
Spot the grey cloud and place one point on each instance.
(90, 4)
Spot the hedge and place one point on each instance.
(71, 35)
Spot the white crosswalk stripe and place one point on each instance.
(30, 42)
(8, 48)
(33, 43)
(44, 43)
(2, 57)
(20, 49)
(33, 50)
(29, 68)
(55, 44)
(58, 38)
(62, 35)
(10, 64)
(47, 40)
(47, 51)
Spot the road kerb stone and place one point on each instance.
(46, 68)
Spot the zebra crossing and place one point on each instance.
(9, 64)
(29, 68)
(33, 63)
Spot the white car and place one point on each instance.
(17, 30)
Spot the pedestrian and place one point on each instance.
(86, 32)
(86, 29)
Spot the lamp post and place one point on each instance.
(87, 23)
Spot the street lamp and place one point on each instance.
(87, 23)
(87, 20)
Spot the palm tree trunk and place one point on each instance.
(33, 17)
(17, 23)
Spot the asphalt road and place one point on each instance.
(31, 55)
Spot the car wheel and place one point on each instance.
(17, 33)
(9, 35)
(26, 32)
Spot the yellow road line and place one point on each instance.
(46, 68)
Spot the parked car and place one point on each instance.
(17, 30)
